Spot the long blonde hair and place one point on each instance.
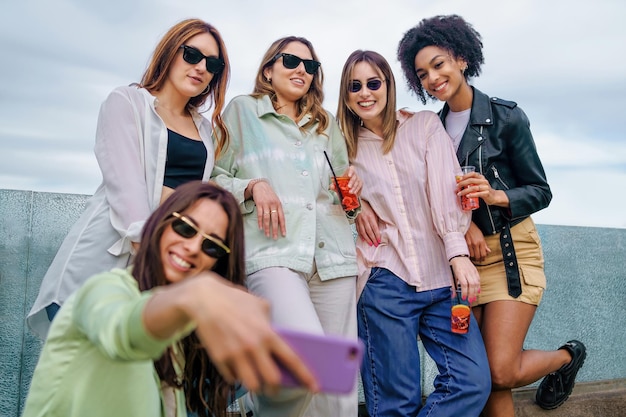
(311, 103)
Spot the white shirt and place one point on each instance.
(131, 149)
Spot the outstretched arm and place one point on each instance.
(233, 326)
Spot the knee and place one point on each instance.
(503, 377)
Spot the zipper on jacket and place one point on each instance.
(497, 175)
(480, 164)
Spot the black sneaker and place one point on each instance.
(557, 386)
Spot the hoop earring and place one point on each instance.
(206, 90)
(269, 80)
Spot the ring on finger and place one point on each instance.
(274, 211)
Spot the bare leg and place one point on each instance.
(504, 325)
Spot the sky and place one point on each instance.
(559, 60)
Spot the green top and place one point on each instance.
(266, 144)
(98, 358)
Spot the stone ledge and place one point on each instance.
(589, 399)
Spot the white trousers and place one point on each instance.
(303, 302)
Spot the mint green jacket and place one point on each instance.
(265, 144)
(97, 360)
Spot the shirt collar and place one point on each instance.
(265, 107)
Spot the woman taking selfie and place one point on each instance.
(172, 332)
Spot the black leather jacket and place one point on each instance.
(499, 144)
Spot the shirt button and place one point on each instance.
(305, 173)
(298, 143)
(320, 245)
(309, 206)
(488, 120)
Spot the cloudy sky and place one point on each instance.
(559, 60)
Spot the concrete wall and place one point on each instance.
(585, 299)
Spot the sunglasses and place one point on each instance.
(292, 61)
(373, 85)
(192, 56)
(211, 246)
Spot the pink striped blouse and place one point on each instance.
(412, 189)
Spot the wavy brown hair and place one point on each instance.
(311, 103)
(164, 54)
(348, 120)
(206, 391)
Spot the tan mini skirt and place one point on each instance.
(493, 284)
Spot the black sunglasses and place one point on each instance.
(192, 56)
(292, 61)
(356, 85)
(212, 246)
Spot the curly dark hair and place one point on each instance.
(451, 33)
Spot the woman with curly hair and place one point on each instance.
(438, 56)
(300, 253)
(169, 334)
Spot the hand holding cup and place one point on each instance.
(467, 203)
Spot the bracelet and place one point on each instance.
(458, 256)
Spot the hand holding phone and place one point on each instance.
(334, 360)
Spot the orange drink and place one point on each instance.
(460, 318)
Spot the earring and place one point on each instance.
(207, 89)
(269, 80)
(463, 69)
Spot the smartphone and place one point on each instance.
(334, 360)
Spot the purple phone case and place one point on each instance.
(334, 360)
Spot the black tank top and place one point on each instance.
(186, 159)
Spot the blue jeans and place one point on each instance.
(391, 314)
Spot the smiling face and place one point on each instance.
(182, 257)
(190, 80)
(290, 85)
(366, 103)
(441, 74)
